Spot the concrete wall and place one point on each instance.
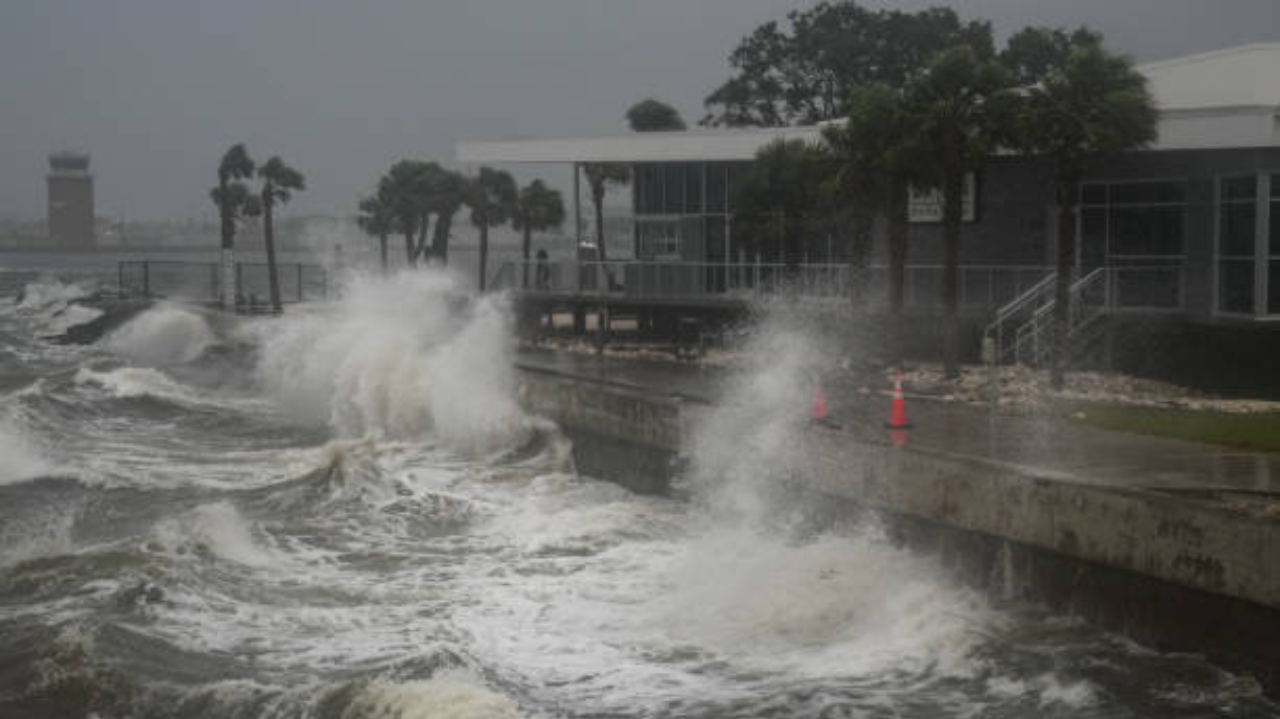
(1173, 572)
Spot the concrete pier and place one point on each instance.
(1132, 533)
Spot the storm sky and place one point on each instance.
(157, 89)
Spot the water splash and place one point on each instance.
(163, 335)
(20, 458)
(403, 356)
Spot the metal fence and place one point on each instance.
(980, 286)
(202, 281)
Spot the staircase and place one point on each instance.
(1022, 331)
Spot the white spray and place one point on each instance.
(402, 357)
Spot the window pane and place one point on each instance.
(1275, 228)
(693, 187)
(1146, 230)
(1093, 194)
(1273, 287)
(648, 190)
(1238, 225)
(1239, 188)
(716, 186)
(674, 180)
(1146, 192)
(1093, 235)
(1235, 286)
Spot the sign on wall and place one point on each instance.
(925, 206)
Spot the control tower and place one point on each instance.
(70, 200)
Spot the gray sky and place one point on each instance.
(156, 89)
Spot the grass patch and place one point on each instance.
(1254, 431)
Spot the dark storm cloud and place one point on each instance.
(155, 90)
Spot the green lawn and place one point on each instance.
(1256, 431)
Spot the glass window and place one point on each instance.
(1239, 188)
(1093, 194)
(1237, 230)
(693, 187)
(1139, 230)
(1239, 221)
(673, 188)
(1235, 286)
(717, 188)
(1273, 287)
(1130, 193)
(648, 183)
(1273, 244)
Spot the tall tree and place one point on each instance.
(279, 182)
(805, 72)
(957, 111)
(375, 220)
(447, 191)
(406, 190)
(1033, 52)
(875, 155)
(538, 209)
(234, 202)
(778, 196)
(492, 196)
(600, 175)
(653, 116)
(1091, 107)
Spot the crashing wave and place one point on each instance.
(163, 335)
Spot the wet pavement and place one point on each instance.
(1041, 444)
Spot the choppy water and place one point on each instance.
(343, 513)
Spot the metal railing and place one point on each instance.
(202, 281)
(981, 287)
(1093, 298)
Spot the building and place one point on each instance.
(1186, 231)
(70, 188)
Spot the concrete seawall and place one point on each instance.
(1170, 571)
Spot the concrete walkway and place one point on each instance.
(1039, 444)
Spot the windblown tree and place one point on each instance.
(875, 156)
(805, 72)
(1033, 52)
(405, 190)
(957, 111)
(235, 202)
(600, 176)
(446, 193)
(538, 209)
(653, 116)
(777, 198)
(492, 197)
(1090, 108)
(375, 220)
(279, 182)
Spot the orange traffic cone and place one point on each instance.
(898, 410)
(819, 402)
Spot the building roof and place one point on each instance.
(1223, 99)
(1237, 77)
(702, 144)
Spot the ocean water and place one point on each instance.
(344, 513)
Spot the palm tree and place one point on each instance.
(446, 195)
(538, 209)
(599, 176)
(875, 155)
(955, 111)
(234, 202)
(492, 196)
(1094, 106)
(406, 190)
(376, 221)
(279, 182)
